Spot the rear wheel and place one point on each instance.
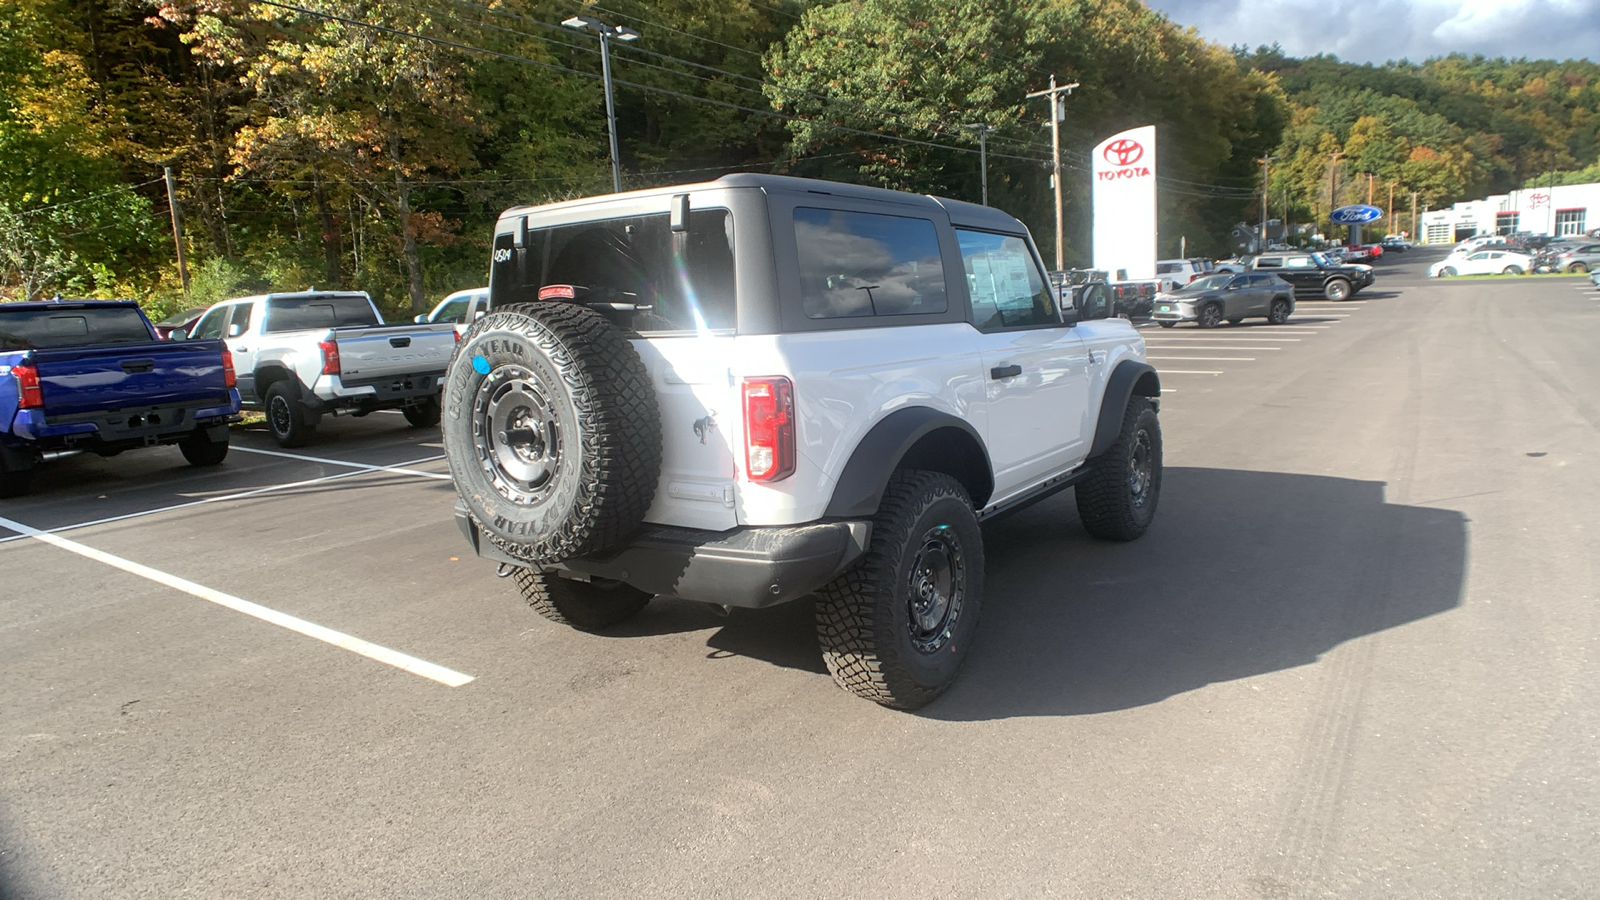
(1117, 502)
(585, 605)
(1210, 316)
(423, 414)
(286, 419)
(895, 628)
(14, 479)
(1279, 313)
(1337, 289)
(200, 450)
(1578, 268)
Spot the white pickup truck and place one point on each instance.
(751, 390)
(305, 354)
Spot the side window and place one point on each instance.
(1239, 282)
(209, 328)
(454, 311)
(240, 323)
(1261, 281)
(1003, 278)
(865, 264)
(1269, 262)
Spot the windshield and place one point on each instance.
(1208, 283)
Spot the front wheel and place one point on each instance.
(1117, 502)
(585, 605)
(1279, 313)
(895, 628)
(1447, 272)
(289, 424)
(1511, 270)
(200, 450)
(1337, 289)
(424, 413)
(1210, 316)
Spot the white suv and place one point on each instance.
(1175, 273)
(754, 389)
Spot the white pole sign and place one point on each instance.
(1125, 204)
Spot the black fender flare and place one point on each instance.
(1128, 378)
(860, 487)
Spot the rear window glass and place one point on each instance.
(864, 264)
(318, 311)
(1167, 268)
(32, 329)
(681, 282)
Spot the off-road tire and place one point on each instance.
(1117, 501)
(287, 420)
(1511, 270)
(584, 605)
(1210, 316)
(572, 465)
(1447, 272)
(867, 618)
(1337, 289)
(1278, 314)
(200, 450)
(424, 413)
(1166, 324)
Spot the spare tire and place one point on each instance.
(552, 431)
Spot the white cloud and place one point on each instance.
(1361, 31)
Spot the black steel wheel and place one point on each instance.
(1279, 314)
(895, 628)
(286, 419)
(1117, 501)
(1210, 315)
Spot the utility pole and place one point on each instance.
(1056, 112)
(1369, 188)
(983, 156)
(1391, 203)
(177, 228)
(1266, 162)
(607, 32)
(1414, 216)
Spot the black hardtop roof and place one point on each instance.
(960, 212)
(68, 304)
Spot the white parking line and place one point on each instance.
(1185, 372)
(344, 462)
(1187, 347)
(1205, 358)
(1220, 337)
(403, 661)
(222, 498)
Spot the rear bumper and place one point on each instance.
(122, 428)
(746, 567)
(334, 393)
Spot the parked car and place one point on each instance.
(1470, 244)
(461, 309)
(1174, 273)
(840, 433)
(1484, 262)
(1236, 264)
(178, 321)
(92, 376)
(1315, 274)
(307, 354)
(1394, 243)
(1224, 297)
(1574, 258)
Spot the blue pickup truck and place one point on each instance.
(91, 376)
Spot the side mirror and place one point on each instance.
(178, 334)
(235, 330)
(421, 319)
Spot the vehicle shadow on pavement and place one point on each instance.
(1242, 573)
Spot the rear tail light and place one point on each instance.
(330, 357)
(29, 395)
(769, 444)
(229, 377)
(457, 335)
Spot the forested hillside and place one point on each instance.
(370, 143)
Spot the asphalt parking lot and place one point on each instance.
(1354, 657)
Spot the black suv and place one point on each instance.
(1315, 275)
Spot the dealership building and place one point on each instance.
(1561, 210)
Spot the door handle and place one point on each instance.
(1005, 371)
(241, 349)
(138, 366)
(1094, 360)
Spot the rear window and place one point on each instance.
(686, 282)
(318, 311)
(855, 264)
(1167, 268)
(37, 329)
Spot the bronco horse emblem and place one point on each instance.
(703, 426)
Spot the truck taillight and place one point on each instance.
(330, 357)
(29, 395)
(229, 377)
(769, 444)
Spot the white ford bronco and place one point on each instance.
(760, 388)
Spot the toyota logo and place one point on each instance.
(1123, 152)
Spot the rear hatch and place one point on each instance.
(701, 425)
(369, 354)
(131, 376)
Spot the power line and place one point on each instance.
(117, 190)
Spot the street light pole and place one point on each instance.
(983, 157)
(606, 33)
(1056, 112)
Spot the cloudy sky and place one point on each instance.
(1363, 31)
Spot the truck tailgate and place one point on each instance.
(368, 354)
(122, 376)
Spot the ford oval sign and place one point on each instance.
(1359, 214)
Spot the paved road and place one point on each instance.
(1355, 657)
